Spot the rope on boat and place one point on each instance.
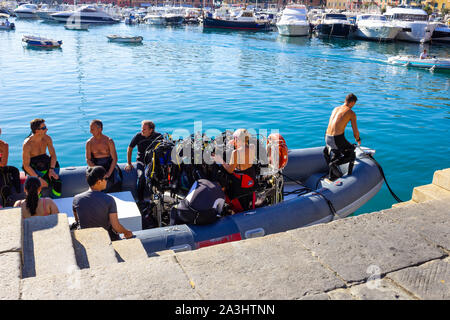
(382, 174)
(330, 204)
(385, 180)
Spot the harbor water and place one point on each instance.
(226, 80)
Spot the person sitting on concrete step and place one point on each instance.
(33, 205)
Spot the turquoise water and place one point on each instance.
(227, 80)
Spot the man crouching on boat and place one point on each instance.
(343, 151)
(35, 160)
(95, 209)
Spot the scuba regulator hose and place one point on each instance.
(382, 174)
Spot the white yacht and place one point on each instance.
(293, 21)
(155, 16)
(174, 16)
(414, 23)
(85, 15)
(46, 11)
(26, 11)
(376, 27)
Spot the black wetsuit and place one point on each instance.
(338, 151)
(142, 143)
(9, 178)
(41, 165)
(115, 180)
(241, 193)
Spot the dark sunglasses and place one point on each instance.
(43, 128)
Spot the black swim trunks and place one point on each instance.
(115, 180)
(41, 165)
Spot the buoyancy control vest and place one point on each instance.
(203, 204)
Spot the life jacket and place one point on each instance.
(203, 204)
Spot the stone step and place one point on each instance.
(159, 278)
(93, 248)
(441, 178)
(129, 250)
(10, 253)
(402, 204)
(11, 230)
(47, 246)
(429, 192)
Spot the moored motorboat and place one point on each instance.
(245, 20)
(87, 14)
(334, 25)
(414, 61)
(414, 23)
(40, 42)
(125, 39)
(375, 27)
(441, 33)
(26, 11)
(293, 21)
(311, 200)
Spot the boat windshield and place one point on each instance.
(336, 16)
(410, 17)
(89, 9)
(372, 18)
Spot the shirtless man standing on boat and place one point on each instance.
(339, 119)
(335, 137)
(101, 151)
(35, 160)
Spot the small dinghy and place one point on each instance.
(81, 27)
(125, 39)
(39, 42)
(413, 61)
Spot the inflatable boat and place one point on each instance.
(309, 198)
(413, 61)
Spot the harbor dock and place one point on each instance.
(401, 253)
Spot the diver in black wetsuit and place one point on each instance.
(35, 160)
(241, 194)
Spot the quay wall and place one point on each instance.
(401, 253)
